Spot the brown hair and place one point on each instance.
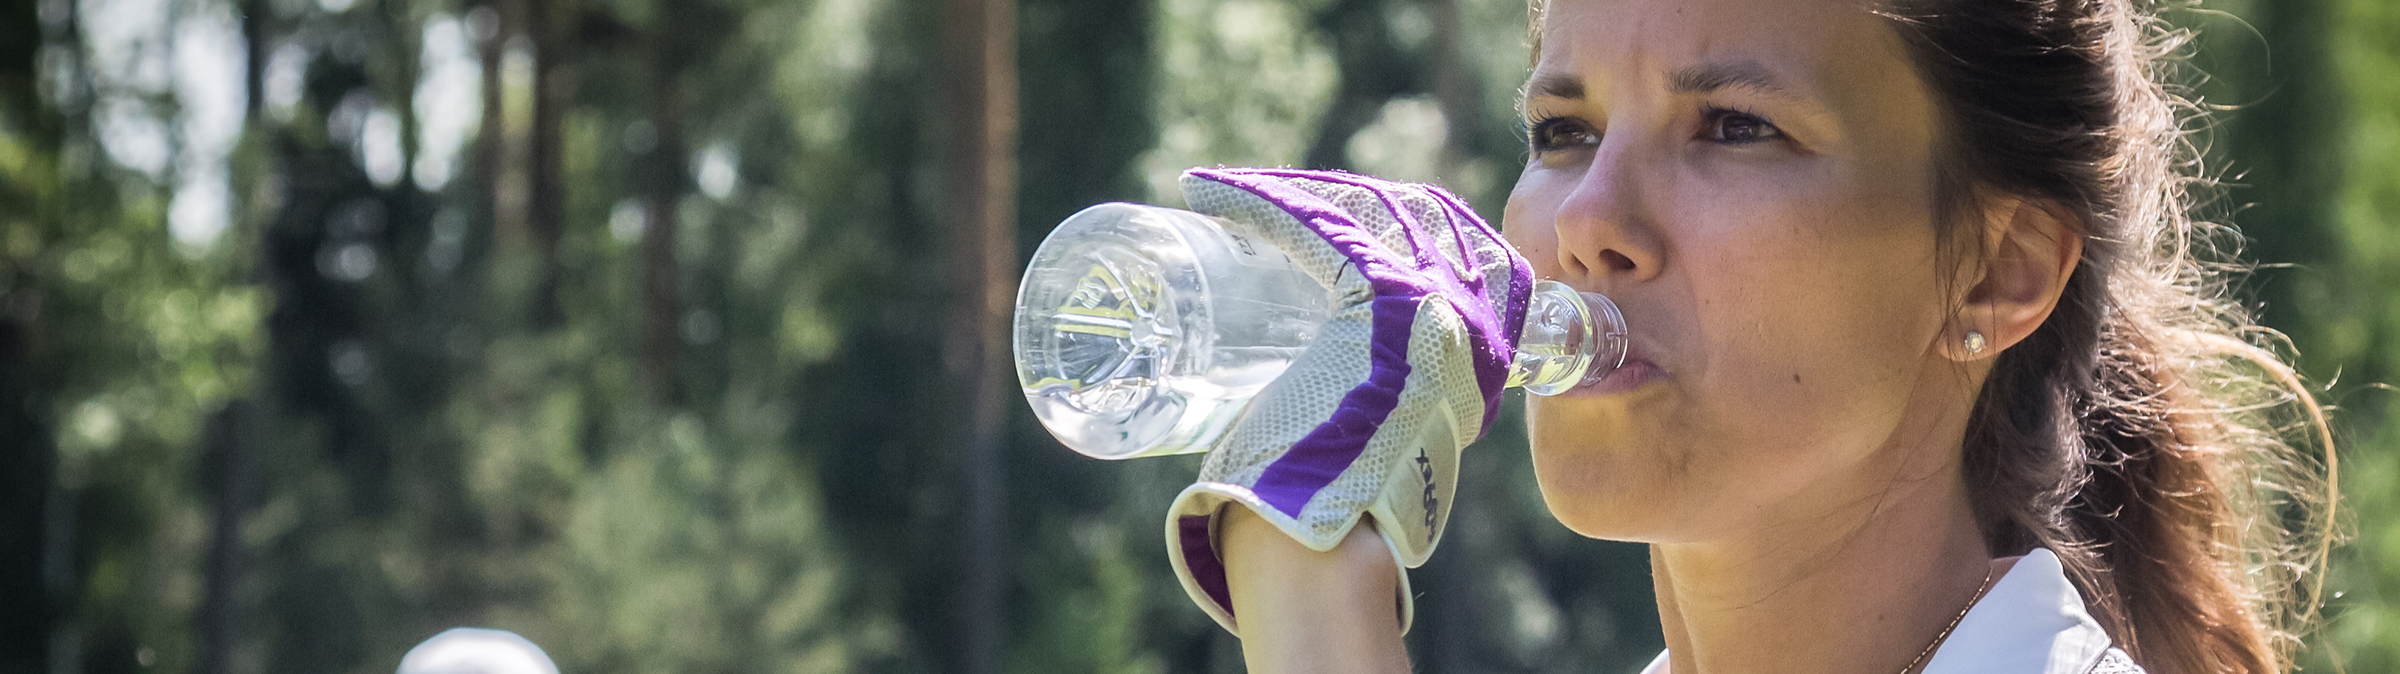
(2141, 432)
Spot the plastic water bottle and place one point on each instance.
(1143, 331)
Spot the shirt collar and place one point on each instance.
(2032, 621)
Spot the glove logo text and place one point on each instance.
(1431, 502)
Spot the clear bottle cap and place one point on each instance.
(1570, 339)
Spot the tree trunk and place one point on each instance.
(661, 296)
(552, 23)
(1372, 68)
(254, 67)
(28, 466)
(226, 469)
(27, 452)
(405, 49)
(981, 183)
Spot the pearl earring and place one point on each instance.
(1974, 342)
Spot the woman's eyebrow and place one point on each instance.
(1555, 85)
(1711, 77)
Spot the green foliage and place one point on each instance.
(123, 342)
(2355, 325)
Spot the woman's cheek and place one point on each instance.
(1793, 349)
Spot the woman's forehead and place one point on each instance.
(1825, 49)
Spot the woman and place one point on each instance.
(1922, 337)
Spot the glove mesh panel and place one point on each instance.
(1308, 251)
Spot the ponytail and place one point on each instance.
(2135, 433)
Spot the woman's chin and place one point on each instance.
(1596, 501)
(1606, 468)
(1608, 525)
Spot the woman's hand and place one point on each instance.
(1308, 611)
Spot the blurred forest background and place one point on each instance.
(657, 331)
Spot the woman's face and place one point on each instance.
(1751, 181)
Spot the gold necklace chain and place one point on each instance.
(1986, 586)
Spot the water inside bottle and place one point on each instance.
(1109, 338)
(1140, 334)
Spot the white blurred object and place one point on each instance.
(469, 650)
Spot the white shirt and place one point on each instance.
(2031, 622)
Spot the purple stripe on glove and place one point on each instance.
(1200, 557)
(1320, 456)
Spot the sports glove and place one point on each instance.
(1370, 418)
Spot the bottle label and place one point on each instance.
(1253, 252)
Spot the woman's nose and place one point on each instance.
(1606, 236)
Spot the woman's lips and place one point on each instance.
(1637, 372)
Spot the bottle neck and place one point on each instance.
(1570, 339)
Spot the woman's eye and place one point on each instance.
(1560, 133)
(1739, 128)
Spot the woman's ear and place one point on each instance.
(2030, 249)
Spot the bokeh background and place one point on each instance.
(662, 331)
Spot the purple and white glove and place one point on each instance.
(1369, 420)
